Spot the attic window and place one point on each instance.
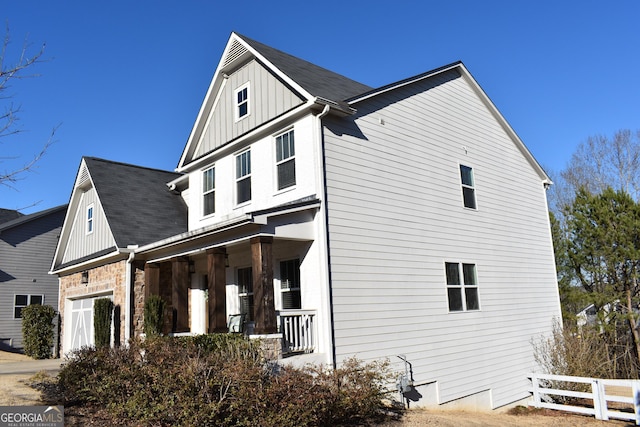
(242, 101)
(90, 219)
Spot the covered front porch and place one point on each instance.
(258, 285)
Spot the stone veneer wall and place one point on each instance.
(138, 299)
(102, 280)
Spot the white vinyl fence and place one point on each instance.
(603, 394)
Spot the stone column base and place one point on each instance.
(270, 345)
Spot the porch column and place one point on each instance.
(151, 280)
(262, 264)
(217, 286)
(180, 293)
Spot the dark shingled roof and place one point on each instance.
(7, 215)
(316, 80)
(138, 205)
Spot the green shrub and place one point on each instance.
(102, 314)
(37, 330)
(219, 380)
(154, 309)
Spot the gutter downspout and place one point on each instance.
(127, 295)
(324, 231)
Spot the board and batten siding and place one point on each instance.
(80, 243)
(269, 98)
(26, 251)
(396, 215)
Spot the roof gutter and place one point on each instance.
(89, 263)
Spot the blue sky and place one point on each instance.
(125, 79)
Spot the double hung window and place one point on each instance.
(290, 284)
(468, 187)
(243, 177)
(462, 286)
(89, 228)
(285, 160)
(22, 301)
(245, 292)
(242, 102)
(208, 191)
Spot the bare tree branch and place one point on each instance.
(9, 114)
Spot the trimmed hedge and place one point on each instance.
(37, 330)
(154, 308)
(102, 314)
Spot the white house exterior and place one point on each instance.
(408, 220)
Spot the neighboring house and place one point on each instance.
(337, 220)
(27, 245)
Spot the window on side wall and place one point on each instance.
(245, 292)
(242, 101)
(468, 187)
(285, 160)
(90, 210)
(208, 191)
(290, 284)
(243, 177)
(22, 301)
(462, 286)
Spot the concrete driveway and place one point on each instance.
(51, 366)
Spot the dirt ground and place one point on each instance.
(15, 391)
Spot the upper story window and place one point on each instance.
(290, 284)
(468, 187)
(89, 228)
(21, 301)
(462, 286)
(208, 191)
(243, 177)
(285, 160)
(242, 101)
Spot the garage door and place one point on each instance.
(81, 323)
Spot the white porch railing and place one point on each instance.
(298, 330)
(602, 392)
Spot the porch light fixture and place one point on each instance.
(85, 277)
(226, 260)
(192, 267)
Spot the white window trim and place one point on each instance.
(472, 187)
(204, 193)
(244, 294)
(236, 105)
(28, 302)
(462, 286)
(278, 163)
(247, 176)
(90, 223)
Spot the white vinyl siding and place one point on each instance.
(394, 216)
(269, 98)
(81, 244)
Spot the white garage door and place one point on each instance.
(82, 322)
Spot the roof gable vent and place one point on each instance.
(83, 176)
(236, 50)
